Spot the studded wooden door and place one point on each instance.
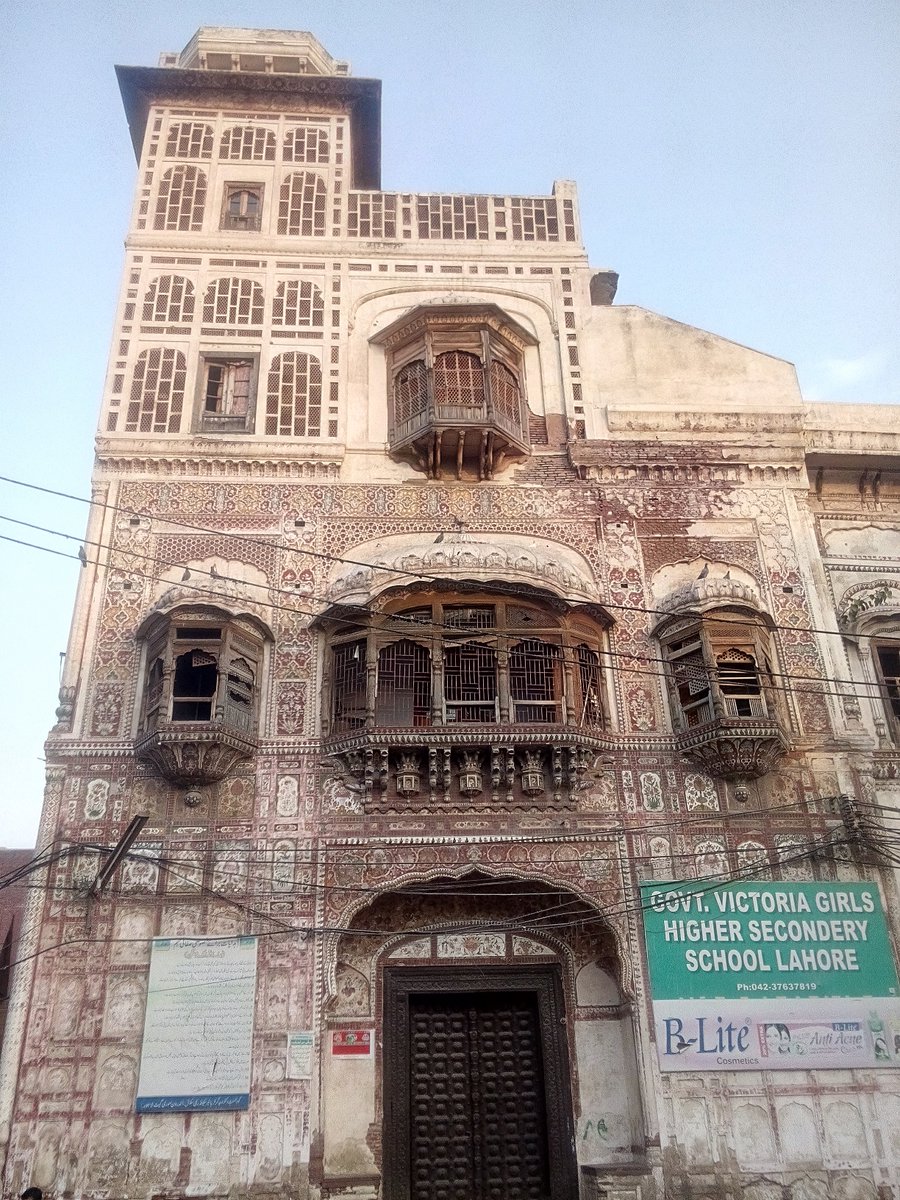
(466, 1090)
(477, 1108)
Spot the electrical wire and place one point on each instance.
(565, 655)
(334, 558)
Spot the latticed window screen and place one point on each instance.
(248, 143)
(505, 394)
(189, 139)
(589, 681)
(301, 206)
(170, 298)
(294, 396)
(298, 303)
(410, 392)
(404, 685)
(233, 302)
(739, 683)
(182, 196)
(157, 392)
(348, 686)
(534, 684)
(470, 683)
(306, 144)
(691, 679)
(458, 382)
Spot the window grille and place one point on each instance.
(299, 304)
(464, 616)
(182, 196)
(248, 143)
(306, 144)
(169, 299)
(301, 208)
(157, 392)
(233, 302)
(458, 384)
(410, 393)
(404, 685)
(348, 686)
(739, 684)
(294, 398)
(589, 680)
(470, 684)
(463, 218)
(534, 684)
(189, 139)
(534, 219)
(505, 395)
(691, 681)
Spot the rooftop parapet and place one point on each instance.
(260, 51)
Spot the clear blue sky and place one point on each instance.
(737, 163)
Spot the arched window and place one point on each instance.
(458, 384)
(298, 304)
(306, 144)
(233, 302)
(294, 396)
(157, 392)
(188, 139)
(301, 208)
(181, 198)
(739, 683)
(170, 300)
(248, 143)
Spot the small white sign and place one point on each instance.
(299, 1054)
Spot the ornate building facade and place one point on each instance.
(432, 604)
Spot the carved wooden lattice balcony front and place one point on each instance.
(460, 703)
(724, 696)
(199, 717)
(457, 395)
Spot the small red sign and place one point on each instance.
(351, 1041)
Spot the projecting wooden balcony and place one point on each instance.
(461, 767)
(460, 440)
(734, 740)
(195, 753)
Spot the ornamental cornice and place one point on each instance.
(211, 466)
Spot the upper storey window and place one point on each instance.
(181, 199)
(306, 144)
(232, 301)
(457, 390)
(248, 143)
(188, 139)
(886, 657)
(724, 698)
(298, 303)
(242, 206)
(487, 662)
(157, 392)
(170, 300)
(301, 205)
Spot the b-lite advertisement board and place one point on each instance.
(757, 976)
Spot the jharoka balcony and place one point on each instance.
(467, 767)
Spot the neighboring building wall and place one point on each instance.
(12, 910)
(253, 478)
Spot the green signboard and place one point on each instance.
(752, 940)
